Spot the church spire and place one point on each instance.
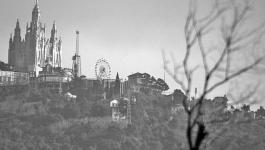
(36, 5)
(17, 31)
(36, 13)
(54, 26)
(10, 40)
(17, 24)
(53, 32)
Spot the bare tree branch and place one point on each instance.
(234, 41)
(236, 74)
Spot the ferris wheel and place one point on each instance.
(102, 69)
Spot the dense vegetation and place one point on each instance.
(42, 120)
(150, 81)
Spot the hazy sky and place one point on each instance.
(130, 34)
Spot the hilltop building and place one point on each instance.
(56, 79)
(36, 50)
(10, 78)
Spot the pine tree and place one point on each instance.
(117, 85)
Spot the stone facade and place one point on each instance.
(35, 51)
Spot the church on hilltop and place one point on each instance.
(35, 51)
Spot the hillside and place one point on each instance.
(43, 120)
(243, 135)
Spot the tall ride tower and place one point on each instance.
(77, 59)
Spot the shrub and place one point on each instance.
(99, 109)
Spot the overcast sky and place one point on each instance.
(130, 34)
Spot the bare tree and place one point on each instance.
(226, 20)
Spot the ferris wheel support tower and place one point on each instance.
(77, 59)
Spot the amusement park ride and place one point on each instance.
(102, 69)
(77, 59)
(103, 72)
